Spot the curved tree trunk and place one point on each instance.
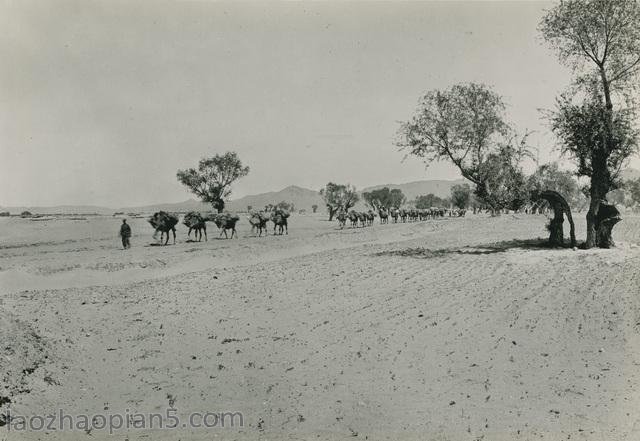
(560, 208)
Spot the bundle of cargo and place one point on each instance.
(225, 221)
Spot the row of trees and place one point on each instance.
(341, 196)
(594, 120)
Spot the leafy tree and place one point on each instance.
(550, 177)
(460, 195)
(211, 182)
(339, 196)
(465, 126)
(288, 206)
(428, 201)
(504, 182)
(249, 208)
(314, 207)
(384, 198)
(600, 41)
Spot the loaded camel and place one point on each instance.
(279, 218)
(195, 221)
(224, 221)
(258, 221)
(164, 222)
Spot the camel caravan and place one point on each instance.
(364, 219)
(165, 223)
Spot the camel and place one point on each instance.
(353, 217)
(195, 221)
(362, 217)
(279, 218)
(225, 221)
(370, 217)
(384, 215)
(164, 222)
(394, 212)
(258, 221)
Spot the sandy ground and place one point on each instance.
(455, 329)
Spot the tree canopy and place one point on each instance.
(430, 200)
(550, 177)
(384, 198)
(460, 195)
(339, 196)
(465, 125)
(212, 180)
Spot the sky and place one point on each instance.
(102, 102)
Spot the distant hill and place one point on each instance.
(302, 198)
(60, 209)
(175, 207)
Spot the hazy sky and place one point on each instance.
(101, 102)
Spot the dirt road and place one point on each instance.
(455, 329)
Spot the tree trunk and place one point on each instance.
(218, 205)
(560, 208)
(594, 205)
(597, 192)
(608, 216)
(332, 212)
(602, 217)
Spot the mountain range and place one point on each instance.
(302, 198)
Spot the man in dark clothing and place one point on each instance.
(125, 234)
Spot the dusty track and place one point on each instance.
(451, 330)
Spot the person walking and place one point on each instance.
(125, 234)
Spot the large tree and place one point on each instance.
(212, 180)
(460, 195)
(338, 196)
(550, 177)
(384, 198)
(465, 125)
(600, 41)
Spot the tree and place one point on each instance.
(211, 182)
(600, 41)
(550, 177)
(428, 201)
(288, 206)
(314, 207)
(465, 126)
(339, 196)
(384, 198)
(460, 195)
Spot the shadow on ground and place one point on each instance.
(493, 248)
